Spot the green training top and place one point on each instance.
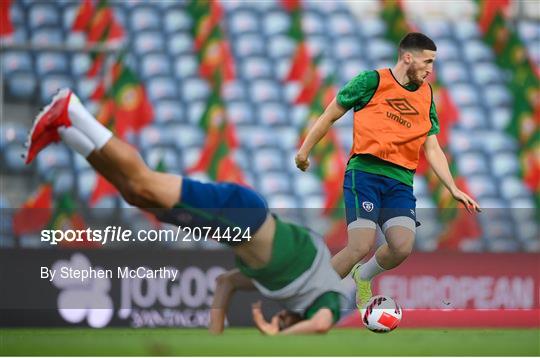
(356, 94)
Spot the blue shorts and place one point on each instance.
(217, 205)
(376, 198)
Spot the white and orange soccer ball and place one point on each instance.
(381, 314)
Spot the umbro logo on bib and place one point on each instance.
(368, 206)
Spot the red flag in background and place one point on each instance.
(35, 213)
(84, 15)
(487, 11)
(102, 189)
(6, 27)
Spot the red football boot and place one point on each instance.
(45, 128)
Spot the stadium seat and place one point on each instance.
(180, 44)
(274, 183)
(21, 85)
(379, 49)
(318, 44)
(177, 20)
(476, 51)
(272, 114)
(144, 18)
(497, 96)
(240, 112)
(504, 163)
(168, 111)
(156, 64)
(148, 41)
(313, 23)
(528, 30)
(190, 156)
(276, 22)
(244, 21)
(512, 187)
(86, 180)
(13, 61)
(62, 179)
(255, 137)
(347, 48)
(54, 156)
(481, 185)
(186, 66)
(307, 184)
(493, 141)
(51, 62)
(43, 14)
(185, 135)
(436, 28)
(255, 67)
(266, 160)
(154, 135)
(287, 137)
(234, 90)
(464, 30)
(281, 46)
(245, 45)
(12, 132)
(472, 163)
(80, 64)
(463, 94)
(85, 87)
(47, 36)
(453, 71)
(264, 90)
(473, 118)
(161, 88)
(17, 14)
(282, 202)
(11, 158)
(194, 89)
(372, 27)
(486, 73)
(340, 25)
(51, 84)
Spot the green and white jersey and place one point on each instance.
(356, 94)
(299, 274)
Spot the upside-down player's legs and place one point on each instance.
(68, 120)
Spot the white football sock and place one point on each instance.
(87, 124)
(76, 140)
(370, 269)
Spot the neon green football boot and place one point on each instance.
(363, 287)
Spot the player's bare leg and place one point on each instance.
(400, 242)
(66, 119)
(359, 244)
(140, 186)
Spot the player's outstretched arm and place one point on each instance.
(437, 160)
(226, 284)
(331, 114)
(320, 323)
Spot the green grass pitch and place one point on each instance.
(248, 342)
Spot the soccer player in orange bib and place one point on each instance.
(394, 117)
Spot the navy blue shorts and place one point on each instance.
(217, 205)
(376, 198)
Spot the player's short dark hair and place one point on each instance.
(416, 41)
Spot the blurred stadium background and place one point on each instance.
(161, 73)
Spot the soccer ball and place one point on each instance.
(381, 314)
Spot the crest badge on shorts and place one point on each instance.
(368, 206)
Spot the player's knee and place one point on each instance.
(360, 245)
(403, 248)
(323, 325)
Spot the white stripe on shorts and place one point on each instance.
(361, 224)
(404, 221)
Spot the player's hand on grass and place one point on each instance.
(470, 204)
(302, 161)
(268, 328)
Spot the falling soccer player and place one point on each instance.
(281, 260)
